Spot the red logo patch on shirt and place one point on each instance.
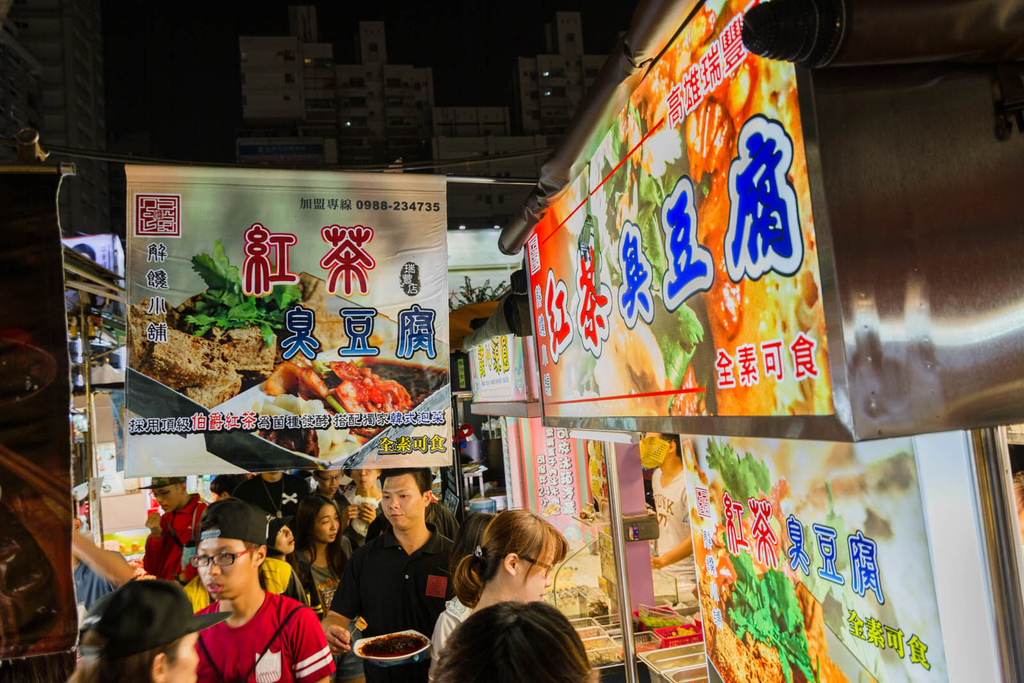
(437, 586)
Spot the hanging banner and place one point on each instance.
(37, 593)
(283, 319)
(813, 561)
(678, 275)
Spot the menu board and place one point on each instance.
(549, 470)
(678, 275)
(283, 319)
(813, 561)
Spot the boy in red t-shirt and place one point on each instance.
(268, 637)
(174, 532)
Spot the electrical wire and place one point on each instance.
(101, 155)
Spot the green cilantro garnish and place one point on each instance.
(224, 305)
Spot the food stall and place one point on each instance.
(810, 277)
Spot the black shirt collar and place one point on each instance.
(432, 546)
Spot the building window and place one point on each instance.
(286, 98)
(357, 81)
(394, 82)
(373, 47)
(570, 37)
(289, 78)
(289, 55)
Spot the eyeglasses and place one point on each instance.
(544, 565)
(220, 559)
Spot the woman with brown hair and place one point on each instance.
(143, 631)
(512, 642)
(513, 561)
(321, 551)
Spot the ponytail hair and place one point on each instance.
(518, 532)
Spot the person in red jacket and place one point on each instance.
(173, 535)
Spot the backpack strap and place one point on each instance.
(266, 648)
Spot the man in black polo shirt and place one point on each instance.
(397, 581)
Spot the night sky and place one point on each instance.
(172, 68)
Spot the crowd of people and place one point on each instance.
(276, 580)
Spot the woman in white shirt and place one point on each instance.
(668, 483)
(514, 560)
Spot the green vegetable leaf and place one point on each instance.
(743, 478)
(284, 296)
(689, 332)
(224, 305)
(766, 607)
(268, 334)
(216, 271)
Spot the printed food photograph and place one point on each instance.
(686, 331)
(821, 573)
(224, 351)
(273, 331)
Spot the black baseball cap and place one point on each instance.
(275, 527)
(235, 519)
(142, 615)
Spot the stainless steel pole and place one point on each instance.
(621, 568)
(989, 460)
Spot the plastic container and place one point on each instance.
(646, 642)
(607, 656)
(590, 632)
(584, 622)
(670, 636)
(600, 643)
(651, 618)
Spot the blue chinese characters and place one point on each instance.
(864, 566)
(635, 291)
(358, 328)
(797, 555)
(300, 321)
(690, 267)
(415, 332)
(764, 227)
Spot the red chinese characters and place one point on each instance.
(734, 539)
(593, 307)
(675, 106)
(693, 87)
(259, 276)
(703, 502)
(771, 351)
(731, 42)
(766, 543)
(711, 66)
(804, 364)
(746, 358)
(556, 305)
(348, 260)
(726, 378)
(746, 365)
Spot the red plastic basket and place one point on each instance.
(693, 634)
